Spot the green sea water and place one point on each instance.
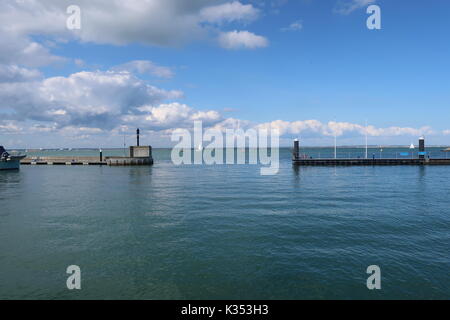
(225, 231)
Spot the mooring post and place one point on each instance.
(101, 155)
(137, 137)
(422, 148)
(296, 149)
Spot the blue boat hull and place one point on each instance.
(10, 165)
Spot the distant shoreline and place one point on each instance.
(285, 147)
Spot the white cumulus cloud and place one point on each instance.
(146, 67)
(170, 116)
(242, 40)
(89, 99)
(229, 12)
(317, 128)
(151, 22)
(14, 73)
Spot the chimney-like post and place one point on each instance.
(137, 137)
(296, 149)
(422, 148)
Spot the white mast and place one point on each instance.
(335, 142)
(124, 144)
(367, 147)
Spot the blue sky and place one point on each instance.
(300, 63)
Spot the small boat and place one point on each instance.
(9, 162)
(412, 146)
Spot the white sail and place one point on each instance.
(411, 146)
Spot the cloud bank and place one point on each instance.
(86, 104)
(89, 99)
(150, 22)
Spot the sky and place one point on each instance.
(311, 69)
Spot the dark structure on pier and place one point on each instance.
(137, 137)
(422, 148)
(422, 159)
(296, 154)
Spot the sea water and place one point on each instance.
(225, 231)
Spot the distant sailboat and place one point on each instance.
(412, 146)
(200, 147)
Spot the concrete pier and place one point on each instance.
(63, 161)
(369, 162)
(123, 161)
(139, 156)
(422, 159)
